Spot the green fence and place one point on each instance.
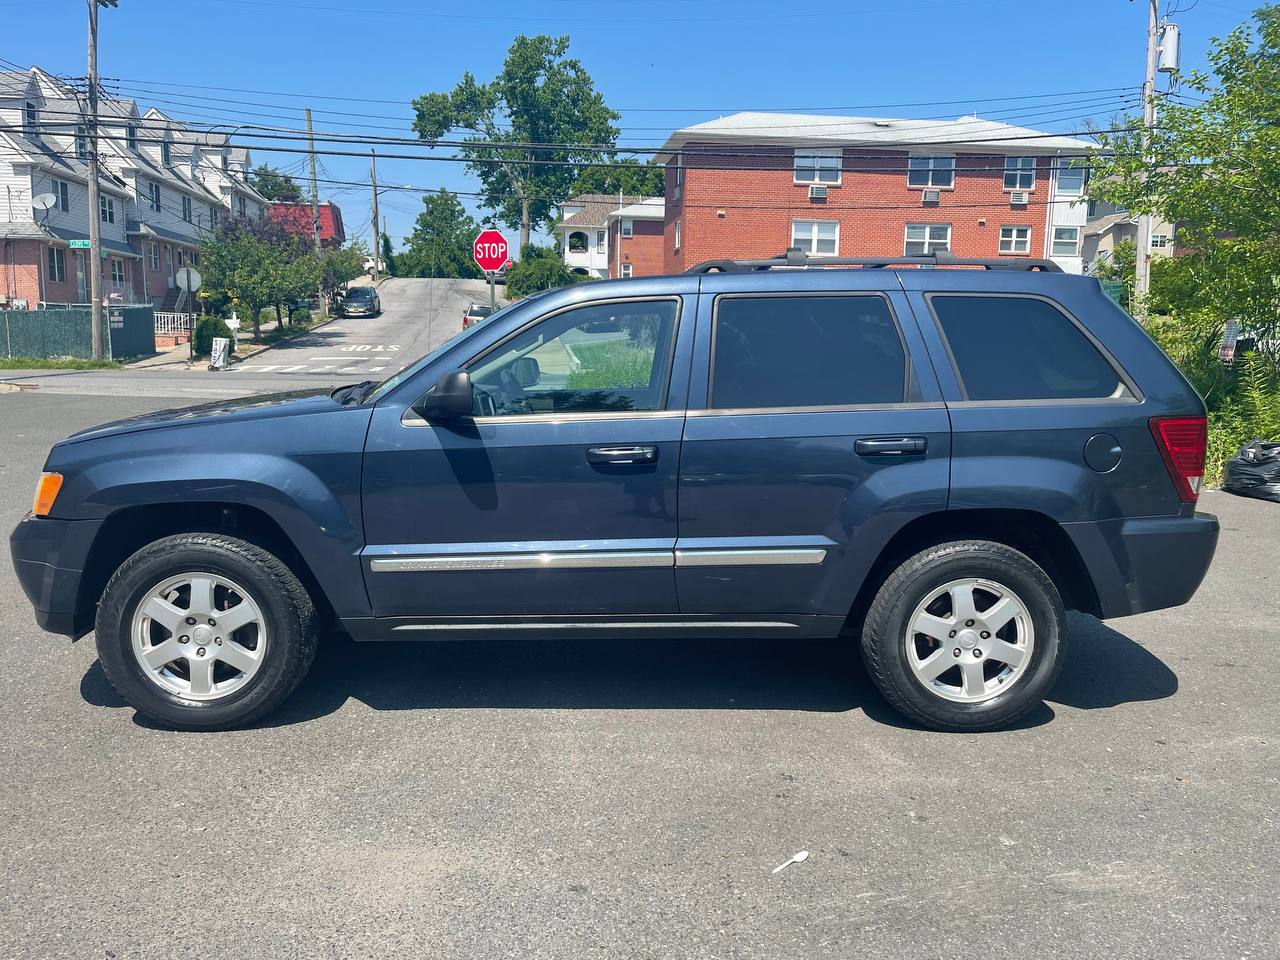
(66, 332)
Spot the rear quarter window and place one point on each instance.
(1021, 348)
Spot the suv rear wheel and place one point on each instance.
(204, 631)
(965, 636)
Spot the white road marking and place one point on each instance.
(376, 369)
(301, 366)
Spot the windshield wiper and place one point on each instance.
(354, 393)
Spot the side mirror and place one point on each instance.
(452, 398)
(526, 371)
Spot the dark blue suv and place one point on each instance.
(930, 456)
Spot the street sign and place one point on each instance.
(188, 278)
(78, 244)
(489, 250)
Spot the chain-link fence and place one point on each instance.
(67, 332)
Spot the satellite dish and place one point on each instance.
(44, 201)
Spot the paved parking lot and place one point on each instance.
(630, 799)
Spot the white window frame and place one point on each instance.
(601, 243)
(934, 165)
(1075, 243)
(30, 119)
(679, 165)
(117, 263)
(243, 208)
(59, 189)
(931, 245)
(1161, 240)
(626, 227)
(626, 270)
(1073, 163)
(106, 209)
(153, 195)
(1020, 173)
(816, 157)
(57, 264)
(1016, 244)
(131, 137)
(677, 236)
(166, 152)
(153, 257)
(213, 216)
(82, 142)
(812, 237)
(186, 209)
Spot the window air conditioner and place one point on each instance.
(817, 193)
(930, 196)
(1018, 198)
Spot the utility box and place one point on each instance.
(1169, 49)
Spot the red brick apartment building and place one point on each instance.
(296, 218)
(753, 184)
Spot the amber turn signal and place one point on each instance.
(46, 492)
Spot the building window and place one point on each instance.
(57, 265)
(1066, 241)
(818, 165)
(82, 142)
(931, 171)
(1071, 176)
(1015, 239)
(626, 270)
(59, 190)
(106, 209)
(577, 242)
(925, 238)
(182, 258)
(1019, 173)
(153, 256)
(1161, 240)
(131, 137)
(677, 234)
(679, 165)
(816, 236)
(225, 162)
(599, 241)
(117, 272)
(628, 228)
(241, 207)
(31, 119)
(195, 258)
(153, 196)
(213, 216)
(186, 209)
(166, 152)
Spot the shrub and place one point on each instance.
(206, 329)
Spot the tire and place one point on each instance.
(977, 689)
(145, 612)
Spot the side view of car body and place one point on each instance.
(360, 302)
(932, 463)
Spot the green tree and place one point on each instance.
(274, 184)
(629, 176)
(525, 130)
(1118, 267)
(388, 257)
(340, 267)
(539, 268)
(440, 245)
(1213, 167)
(257, 264)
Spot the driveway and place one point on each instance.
(631, 799)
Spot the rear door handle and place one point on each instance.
(891, 447)
(632, 453)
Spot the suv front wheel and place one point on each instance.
(965, 636)
(203, 631)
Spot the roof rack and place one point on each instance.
(795, 257)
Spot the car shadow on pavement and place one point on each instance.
(1103, 668)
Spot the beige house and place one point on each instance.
(1101, 235)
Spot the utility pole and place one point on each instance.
(315, 206)
(373, 179)
(95, 224)
(1142, 264)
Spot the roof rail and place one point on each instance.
(795, 257)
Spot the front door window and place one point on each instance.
(82, 293)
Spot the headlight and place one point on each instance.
(46, 492)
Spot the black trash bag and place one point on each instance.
(1255, 471)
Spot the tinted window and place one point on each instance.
(1021, 348)
(806, 352)
(359, 293)
(598, 358)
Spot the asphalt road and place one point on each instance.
(417, 316)
(630, 799)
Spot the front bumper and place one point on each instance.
(1147, 563)
(49, 558)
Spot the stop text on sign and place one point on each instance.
(490, 250)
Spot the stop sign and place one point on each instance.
(490, 250)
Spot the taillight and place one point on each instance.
(1182, 441)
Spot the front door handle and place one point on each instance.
(891, 447)
(632, 453)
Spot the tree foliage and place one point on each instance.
(388, 256)
(628, 176)
(257, 263)
(525, 129)
(340, 267)
(274, 184)
(440, 245)
(539, 268)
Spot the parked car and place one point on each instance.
(360, 302)
(474, 313)
(932, 463)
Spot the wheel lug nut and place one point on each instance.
(968, 623)
(218, 641)
(985, 634)
(951, 634)
(200, 652)
(212, 622)
(977, 653)
(955, 652)
(183, 639)
(191, 621)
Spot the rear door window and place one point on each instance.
(1021, 348)
(806, 351)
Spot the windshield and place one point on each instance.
(393, 381)
(478, 311)
(360, 293)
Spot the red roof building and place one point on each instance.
(296, 218)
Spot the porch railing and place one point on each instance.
(172, 322)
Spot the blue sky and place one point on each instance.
(662, 64)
